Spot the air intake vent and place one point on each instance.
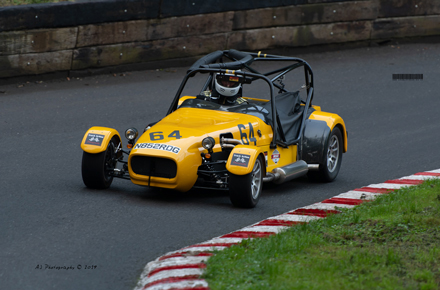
(154, 166)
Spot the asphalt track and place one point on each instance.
(48, 217)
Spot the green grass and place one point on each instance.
(390, 243)
(4, 3)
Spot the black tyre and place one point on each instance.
(332, 159)
(96, 168)
(245, 190)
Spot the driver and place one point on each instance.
(227, 90)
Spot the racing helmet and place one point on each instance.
(227, 85)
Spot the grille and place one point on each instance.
(154, 166)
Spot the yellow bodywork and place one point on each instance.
(250, 152)
(332, 121)
(178, 137)
(193, 125)
(96, 139)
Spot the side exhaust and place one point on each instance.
(229, 143)
(288, 172)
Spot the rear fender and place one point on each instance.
(242, 159)
(315, 139)
(96, 139)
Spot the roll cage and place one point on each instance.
(213, 63)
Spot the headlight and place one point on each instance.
(208, 143)
(131, 134)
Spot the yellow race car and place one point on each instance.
(220, 137)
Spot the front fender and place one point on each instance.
(242, 159)
(96, 139)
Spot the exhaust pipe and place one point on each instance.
(288, 172)
(229, 143)
(313, 167)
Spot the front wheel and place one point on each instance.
(245, 190)
(332, 159)
(96, 168)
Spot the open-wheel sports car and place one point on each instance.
(225, 136)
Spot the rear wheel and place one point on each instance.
(96, 168)
(245, 190)
(332, 159)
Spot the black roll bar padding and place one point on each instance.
(233, 53)
(231, 65)
(207, 59)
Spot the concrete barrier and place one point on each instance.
(66, 36)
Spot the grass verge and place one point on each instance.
(4, 3)
(392, 242)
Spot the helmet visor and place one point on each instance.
(228, 81)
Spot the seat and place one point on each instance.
(289, 111)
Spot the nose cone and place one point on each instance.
(162, 157)
(168, 155)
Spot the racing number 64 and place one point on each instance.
(155, 136)
(243, 135)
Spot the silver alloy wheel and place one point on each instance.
(256, 179)
(333, 153)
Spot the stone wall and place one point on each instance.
(66, 36)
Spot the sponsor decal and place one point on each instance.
(275, 156)
(265, 156)
(158, 146)
(240, 160)
(94, 139)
